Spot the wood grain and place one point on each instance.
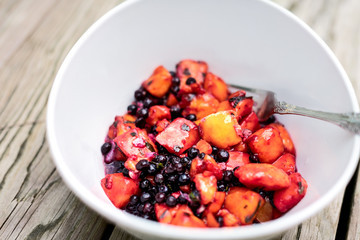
(35, 36)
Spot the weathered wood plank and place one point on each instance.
(35, 37)
(35, 204)
(354, 221)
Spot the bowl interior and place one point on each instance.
(251, 43)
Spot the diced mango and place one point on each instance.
(119, 188)
(243, 203)
(220, 129)
(202, 105)
(230, 220)
(206, 184)
(216, 86)
(159, 83)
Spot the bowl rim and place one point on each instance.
(131, 223)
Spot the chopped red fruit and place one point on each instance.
(180, 135)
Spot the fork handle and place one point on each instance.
(349, 121)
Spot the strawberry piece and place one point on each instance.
(197, 166)
(243, 203)
(206, 184)
(237, 159)
(267, 144)
(204, 147)
(157, 113)
(119, 188)
(287, 198)
(213, 167)
(161, 125)
(190, 68)
(135, 142)
(159, 83)
(250, 122)
(286, 162)
(180, 135)
(262, 175)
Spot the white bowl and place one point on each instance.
(254, 43)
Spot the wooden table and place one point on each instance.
(35, 36)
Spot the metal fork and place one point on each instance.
(267, 105)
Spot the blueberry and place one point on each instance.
(140, 122)
(173, 178)
(171, 201)
(185, 161)
(163, 189)
(105, 148)
(161, 158)
(134, 200)
(175, 111)
(181, 200)
(159, 178)
(148, 208)
(140, 207)
(125, 172)
(184, 179)
(172, 73)
(148, 102)
(175, 81)
(175, 159)
(142, 165)
(221, 186)
(220, 220)
(145, 196)
(193, 152)
(254, 158)
(139, 94)
(215, 150)
(160, 197)
(174, 89)
(144, 112)
(145, 184)
(179, 167)
(201, 155)
(152, 169)
(222, 155)
(191, 117)
(132, 109)
(169, 169)
(190, 81)
(228, 175)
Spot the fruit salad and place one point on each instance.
(189, 152)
